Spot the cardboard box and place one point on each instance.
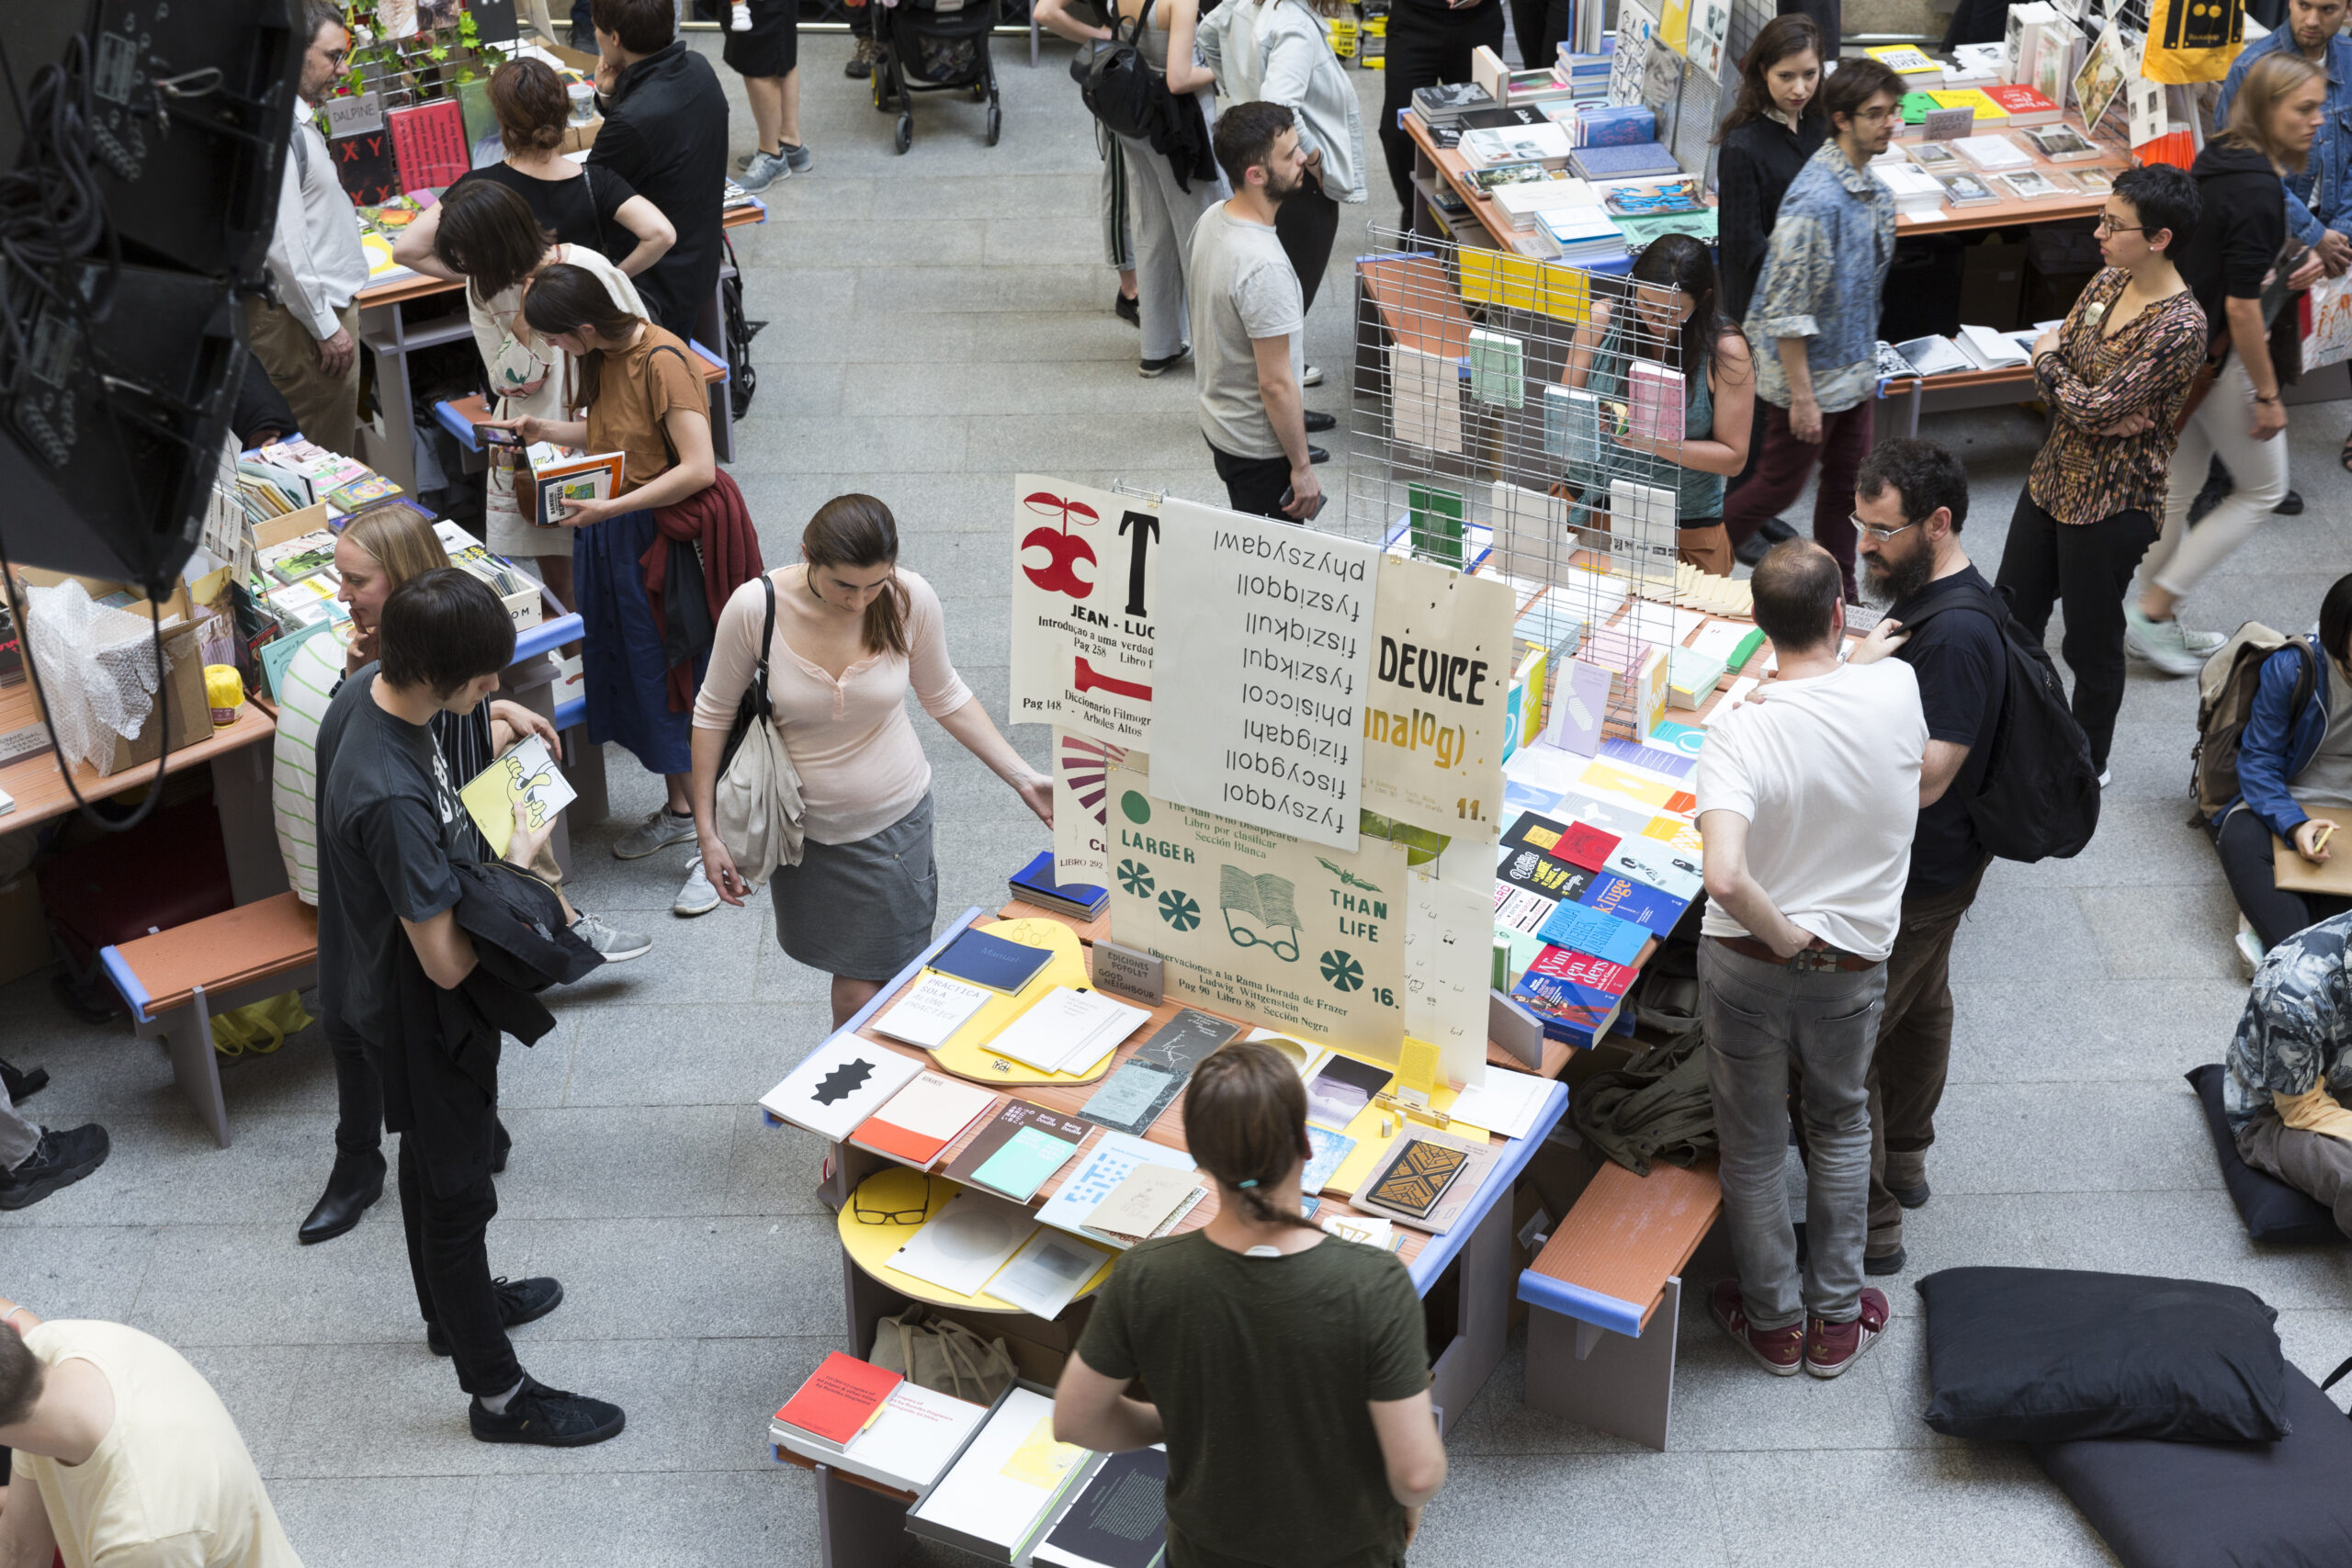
(24, 934)
(183, 658)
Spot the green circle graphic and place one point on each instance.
(1135, 807)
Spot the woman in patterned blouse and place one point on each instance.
(2115, 375)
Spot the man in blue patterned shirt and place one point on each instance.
(1813, 324)
(2291, 1068)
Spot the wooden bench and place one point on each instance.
(175, 980)
(1605, 1296)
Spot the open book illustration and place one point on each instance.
(526, 771)
(1267, 900)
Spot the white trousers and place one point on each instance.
(2182, 556)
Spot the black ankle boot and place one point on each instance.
(356, 1183)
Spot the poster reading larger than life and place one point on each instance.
(1265, 652)
(1255, 924)
(1084, 566)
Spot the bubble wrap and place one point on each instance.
(97, 669)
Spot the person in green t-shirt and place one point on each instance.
(1289, 1369)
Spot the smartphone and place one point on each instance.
(497, 436)
(1290, 494)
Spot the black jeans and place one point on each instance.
(1255, 485)
(2244, 843)
(448, 1257)
(1307, 223)
(1426, 44)
(2087, 568)
(359, 1104)
(1541, 26)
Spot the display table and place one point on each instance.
(1464, 1276)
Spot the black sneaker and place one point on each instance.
(1910, 1197)
(1774, 530)
(1128, 308)
(60, 1160)
(1751, 550)
(22, 1086)
(1317, 420)
(548, 1417)
(1317, 454)
(1885, 1262)
(2291, 505)
(1151, 368)
(519, 1301)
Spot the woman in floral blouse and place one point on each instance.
(2115, 375)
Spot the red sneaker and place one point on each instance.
(1831, 1348)
(1779, 1351)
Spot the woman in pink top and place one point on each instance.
(852, 632)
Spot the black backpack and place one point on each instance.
(1119, 86)
(2039, 794)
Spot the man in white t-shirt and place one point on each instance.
(1250, 321)
(1806, 802)
(125, 1458)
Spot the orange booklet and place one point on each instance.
(841, 1398)
(923, 1118)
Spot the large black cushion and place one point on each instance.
(2283, 1504)
(2050, 1355)
(2272, 1210)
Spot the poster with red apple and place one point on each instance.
(1085, 563)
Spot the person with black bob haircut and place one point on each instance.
(1288, 1369)
(391, 839)
(665, 133)
(2116, 373)
(2294, 759)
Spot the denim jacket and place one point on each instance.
(1276, 50)
(2318, 199)
(1822, 282)
(2278, 744)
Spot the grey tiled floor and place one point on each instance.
(938, 322)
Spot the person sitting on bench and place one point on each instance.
(2291, 1068)
(2292, 761)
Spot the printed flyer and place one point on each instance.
(1256, 924)
(1085, 563)
(1438, 701)
(1082, 788)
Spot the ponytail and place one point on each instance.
(858, 530)
(1245, 1123)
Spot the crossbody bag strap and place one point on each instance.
(767, 636)
(661, 425)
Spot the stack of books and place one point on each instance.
(858, 1418)
(1989, 115)
(1584, 234)
(1906, 60)
(1992, 153)
(1635, 161)
(1034, 884)
(1916, 191)
(1545, 144)
(1446, 102)
(1604, 125)
(1585, 75)
(1523, 206)
(2022, 105)
(999, 1494)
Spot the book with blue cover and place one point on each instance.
(991, 961)
(1632, 161)
(1631, 900)
(1569, 1011)
(1034, 884)
(1580, 930)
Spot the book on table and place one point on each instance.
(1048, 1273)
(918, 1123)
(1150, 1202)
(1992, 152)
(1098, 1171)
(1119, 1520)
(1990, 349)
(974, 1235)
(839, 1085)
(913, 1436)
(999, 1495)
(1425, 1181)
(1068, 1030)
(1035, 883)
(1934, 354)
(1017, 1149)
(1141, 1089)
(990, 961)
(934, 1008)
(593, 477)
(839, 1400)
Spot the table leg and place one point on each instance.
(856, 1527)
(240, 786)
(1485, 1281)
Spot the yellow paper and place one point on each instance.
(1650, 792)
(1039, 1460)
(1417, 1066)
(966, 1053)
(1356, 1169)
(526, 772)
(1675, 833)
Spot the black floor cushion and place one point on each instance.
(2050, 1355)
(2283, 1504)
(2272, 1210)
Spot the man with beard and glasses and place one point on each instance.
(1910, 501)
(1250, 321)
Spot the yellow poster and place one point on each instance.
(1257, 925)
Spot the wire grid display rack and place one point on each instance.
(1492, 430)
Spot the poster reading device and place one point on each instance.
(1265, 658)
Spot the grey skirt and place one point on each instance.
(861, 910)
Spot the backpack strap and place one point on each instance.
(2336, 1377)
(2306, 681)
(1989, 601)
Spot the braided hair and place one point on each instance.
(1245, 1123)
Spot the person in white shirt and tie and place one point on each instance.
(308, 340)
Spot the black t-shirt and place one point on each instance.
(1961, 663)
(577, 212)
(665, 133)
(389, 825)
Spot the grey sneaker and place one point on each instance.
(2202, 644)
(2158, 642)
(796, 156)
(617, 945)
(764, 169)
(658, 831)
(2249, 949)
(698, 897)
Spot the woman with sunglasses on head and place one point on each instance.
(2115, 374)
(1668, 316)
(854, 632)
(1289, 1369)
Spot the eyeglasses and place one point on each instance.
(2107, 225)
(915, 1216)
(1874, 531)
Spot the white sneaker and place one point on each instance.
(2158, 642)
(2202, 644)
(2106, 777)
(2249, 948)
(1314, 377)
(617, 945)
(698, 897)
(741, 21)
(658, 831)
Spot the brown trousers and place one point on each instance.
(327, 407)
(2308, 1162)
(1913, 1055)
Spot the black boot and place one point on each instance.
(22, 1086)
(356, 1183)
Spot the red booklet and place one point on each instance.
(2023, 105)
(1585, 845)
(1563, 963)
(841, 1398)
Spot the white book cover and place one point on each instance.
(841, 1083)
(1009, 1474)
(934, 1008)
(969, 1239)
(1506, 1103)
(1048, 1273)
(1989, 347)
(1530, 196)
(1099, 1171)
(1065, 1025)
(908, 1444)
(1720, 639)
(1992, 151)
(1425, 399)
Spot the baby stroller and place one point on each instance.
(933, 46)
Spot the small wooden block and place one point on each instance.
(1137, 976)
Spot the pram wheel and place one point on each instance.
(980, 92)
(996, 123)
(905, 134)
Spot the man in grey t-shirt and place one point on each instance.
(1250, 323)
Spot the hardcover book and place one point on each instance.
(991, 961)
(1631, 900)
(1017, 1149)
